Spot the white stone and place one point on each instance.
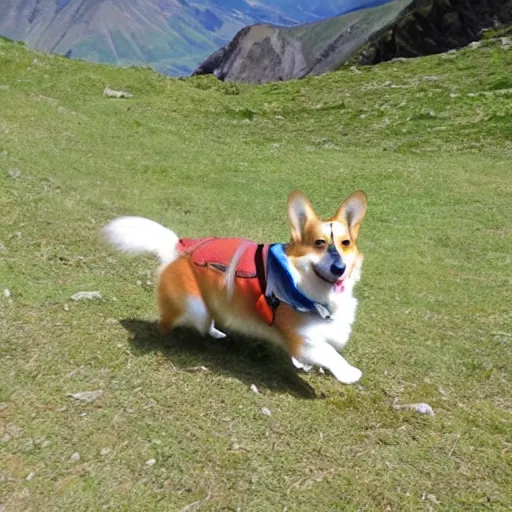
(86, 396)
(75, 457)
(86, 296)
(420, 408)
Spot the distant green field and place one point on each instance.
(429, 140)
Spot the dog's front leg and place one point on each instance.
(300, 366)
(320, 353)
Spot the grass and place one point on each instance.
(430, 140)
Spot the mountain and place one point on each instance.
(436, 26)
(173, 36)
(399, 28)
(266, 53)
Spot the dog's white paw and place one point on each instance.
(300, 366)
(349, 375)
(215, 333)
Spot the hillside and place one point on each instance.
(176, 426)
(399, 28)
(173, 36)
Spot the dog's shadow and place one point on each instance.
(251, 362)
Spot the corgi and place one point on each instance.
(298, 295)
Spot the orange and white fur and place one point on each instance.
(188, 298)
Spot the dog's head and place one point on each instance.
(323, 253)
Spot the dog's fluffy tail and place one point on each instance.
(137, 235)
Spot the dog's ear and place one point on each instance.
(300, 213)
(352, 211)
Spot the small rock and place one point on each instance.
(45, 444)
(30, 476)
(3, 406)
(64, 110)
(14, 173)
(265, 411)
(150, 462)
(254, 389)
(424, 409)
(86, 296)
(197, 369)
(432, 498)
(105, 451)
(7, 293)
(66, 307)
(82, 414)
(111, 93)
(14, 431)
(29, 444)
(86, 396)
(420, 408)
(75, 457)
(235, 446)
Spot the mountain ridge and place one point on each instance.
(173, 36)
(399, 28)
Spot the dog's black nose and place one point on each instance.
(337, 269)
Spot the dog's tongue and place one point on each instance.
(338, 287)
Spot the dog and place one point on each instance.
(298, 295)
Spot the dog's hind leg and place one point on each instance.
(215, 333)
(180, 300)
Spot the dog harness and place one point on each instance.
(262, 271)
(216, 254)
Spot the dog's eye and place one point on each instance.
(320, 243)
(346, 243)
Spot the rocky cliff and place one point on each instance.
(400, 28)
(435, 26)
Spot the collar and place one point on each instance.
(281, 284)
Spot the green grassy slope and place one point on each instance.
(430, 140)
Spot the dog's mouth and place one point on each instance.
(332, 280)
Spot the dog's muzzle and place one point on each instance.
(331, 271)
